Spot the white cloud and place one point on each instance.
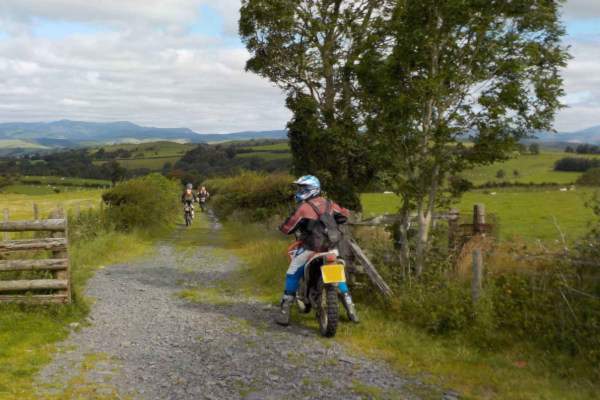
(147, 68)
(581, 9)
(582, 86)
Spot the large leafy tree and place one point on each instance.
(309, 49)
(440, 70)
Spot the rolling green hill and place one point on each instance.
(530, 168)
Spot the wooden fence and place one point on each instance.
(57, 289)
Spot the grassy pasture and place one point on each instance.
(20, 206)
(151, 149)
(531, 168)
(57, 180)
(265, 155)
(153, 164)
(521, 212)
(17, 143)
(278, 146)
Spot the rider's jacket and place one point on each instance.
(187, 197)
(304, 218)
(202, 195)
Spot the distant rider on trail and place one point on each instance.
(303, 219)
(187, 198)
(202, 196)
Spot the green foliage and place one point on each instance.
(308, 48)
(258, 195)
(142, 202)
(534, 148)
(590, 177)
(576, 164)
(418, 78)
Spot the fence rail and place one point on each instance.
(29, 288)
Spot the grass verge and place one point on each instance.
(517, 371)
(28, 332)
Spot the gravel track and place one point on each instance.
(144, 342)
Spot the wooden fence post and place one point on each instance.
(6, 219)
(478, 218)
(453, 217)
(62, 274)
(35, 211)
(477, 274)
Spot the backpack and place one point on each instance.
(325, 233)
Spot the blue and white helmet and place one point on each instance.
(189, 186)
(308, 187)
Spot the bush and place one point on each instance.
(142, 202)
(590, 177)
(500, 174)
(259, 195)
(572, 164)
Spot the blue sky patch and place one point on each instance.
(55, 29)
(583, 27)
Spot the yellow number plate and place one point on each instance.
(333, 273)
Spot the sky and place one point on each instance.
(180, 63)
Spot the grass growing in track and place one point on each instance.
(521, 212)
(455, 363)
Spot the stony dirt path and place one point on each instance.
(145, 342)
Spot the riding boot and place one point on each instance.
(287, 300)
(349, 306)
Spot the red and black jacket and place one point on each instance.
(304, 218)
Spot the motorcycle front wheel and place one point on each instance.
(188, 219)
(328, 309)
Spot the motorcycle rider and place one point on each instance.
(303, 219)
(188, 197)
(202, 195)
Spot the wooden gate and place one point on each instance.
(57, 289)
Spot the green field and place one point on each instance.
(154, 164)
(16, 143)
(521, 212)
(57, 180)
(20, 206)
(265, 155)
(151, 149)
(278, 146)
(531, 168)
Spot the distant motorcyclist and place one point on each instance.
(303, 219)
(188, 197)
(202, 196)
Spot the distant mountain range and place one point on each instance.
(588, 135)
(18, 138)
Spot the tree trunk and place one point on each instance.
(403, 239)
(424, 221)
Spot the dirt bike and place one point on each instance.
(202, 202)
(187, 214)
(318, 288)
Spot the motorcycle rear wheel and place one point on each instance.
(328, 309)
